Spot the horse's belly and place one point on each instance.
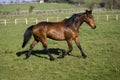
(56, 35)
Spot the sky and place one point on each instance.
(8, 1)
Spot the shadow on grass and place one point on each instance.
(40, 53)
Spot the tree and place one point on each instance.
(112, 4)
(31, 9)
(76, 1)
(12, 1)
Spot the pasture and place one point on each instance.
(101, 45)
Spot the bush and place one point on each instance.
(76, 1)
(112, 4)
(31, 9)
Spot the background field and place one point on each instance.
(101, 45)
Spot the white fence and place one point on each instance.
(35, 20)
(26, 20)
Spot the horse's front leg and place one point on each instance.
(46, 49)
(79, 46)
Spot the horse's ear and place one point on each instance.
(88, 12)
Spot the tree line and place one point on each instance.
(108, 4)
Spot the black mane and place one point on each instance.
(70, 21)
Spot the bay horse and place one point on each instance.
(68, 30)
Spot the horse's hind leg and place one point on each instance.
(70, 46)
(69, 42)
(27, 55)
(46, 49)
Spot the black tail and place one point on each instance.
(27, 35)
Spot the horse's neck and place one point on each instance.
(79, 22)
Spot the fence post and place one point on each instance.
(107, 17)
(5, 22)
(36, 20)
(117, 17)
(47, 19)
(67, 17)
(26, 21)
(15, 21)
(57, 19)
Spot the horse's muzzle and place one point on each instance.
(94, 27)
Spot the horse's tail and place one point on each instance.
(27, 35)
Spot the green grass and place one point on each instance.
(47, 6)
(101, 45)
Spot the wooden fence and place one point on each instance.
(35, 20)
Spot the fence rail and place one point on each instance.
(36, 20)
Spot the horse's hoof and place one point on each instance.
(84, 56)
(26, 57)
(52, 59)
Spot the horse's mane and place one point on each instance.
(70, 21)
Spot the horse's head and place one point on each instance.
(89, 19)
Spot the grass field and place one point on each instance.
(101, 45)
(44, 6)
(37, 6)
